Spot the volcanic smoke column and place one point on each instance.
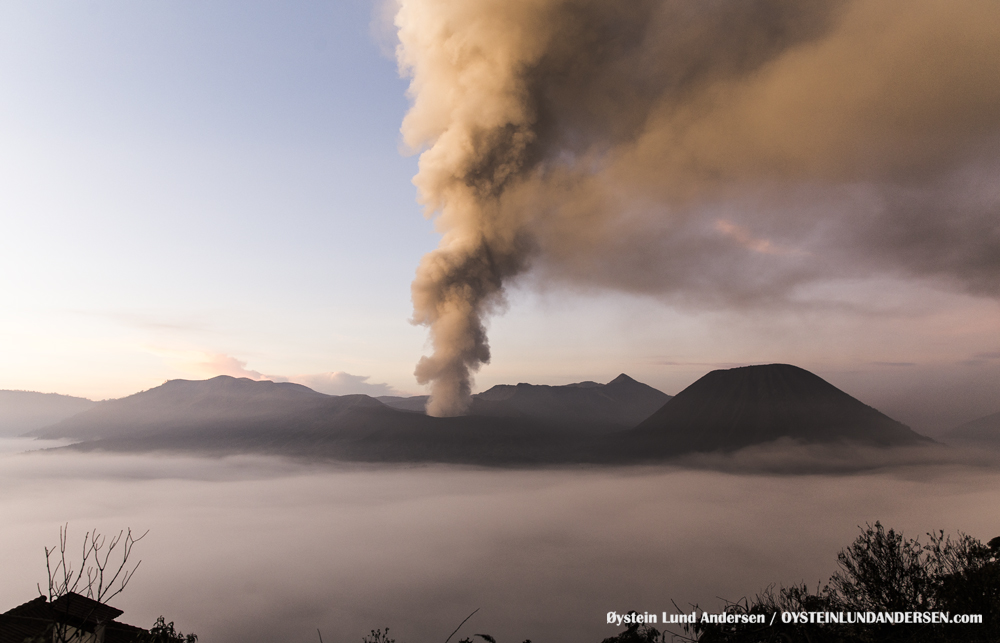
(522, 108)
(470, 109)
(518, 105)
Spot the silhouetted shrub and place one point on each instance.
(378, 636)
(163, 632)
(882, 572)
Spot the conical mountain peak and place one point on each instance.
(729, 409)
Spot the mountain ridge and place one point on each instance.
(623, 402)
(514, 425)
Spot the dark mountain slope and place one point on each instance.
(23, 411)
(729, 409)
(984, 432)
(638, 400)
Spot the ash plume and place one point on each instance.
(714, 153)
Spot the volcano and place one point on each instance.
(730, 409)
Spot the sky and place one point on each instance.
(190, 189)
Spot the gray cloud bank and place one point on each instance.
(260, 549)
(719, 154)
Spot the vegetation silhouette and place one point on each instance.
(377, 636)
(163, 632)
(881, 572)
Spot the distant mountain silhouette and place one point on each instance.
(982, 432)
(177, 404)
(621, 403)
(23, 411)
(511, 425)
(730, 409)
(222, 408)
(226, 415)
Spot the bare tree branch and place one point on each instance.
(105, 569)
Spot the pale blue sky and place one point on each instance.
(186, 186)
(201, 176)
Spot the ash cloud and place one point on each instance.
(718, 154)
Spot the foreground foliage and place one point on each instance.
(164, 632)
(882, 572)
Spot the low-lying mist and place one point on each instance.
(246, 549)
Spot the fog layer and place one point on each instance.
(257, 549)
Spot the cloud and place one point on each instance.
(747, 240)
(150, 320)
(220, 364)
(712, 365)
(263, 549)
(204, 364)
(382, 29)
(341, 383)
(981, 359)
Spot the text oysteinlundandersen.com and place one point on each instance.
(818, 618)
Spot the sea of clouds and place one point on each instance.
(245, 549)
